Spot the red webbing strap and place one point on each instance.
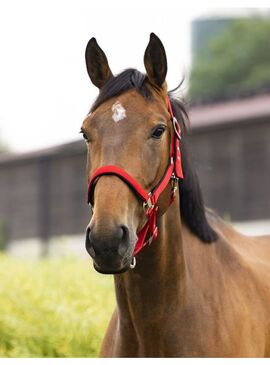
(170, 106)
(150, 226)
(141, 238)
(175, 149)
(163, 183)
(118, 171)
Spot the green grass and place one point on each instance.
(52, 307)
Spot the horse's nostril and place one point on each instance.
(89, 247)
(118, 233)
(123, 242)
(124, 233)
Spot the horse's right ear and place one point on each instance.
(97, 64)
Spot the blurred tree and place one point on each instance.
(236, 63)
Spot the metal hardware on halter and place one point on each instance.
(133, 263)
(174, 181)
(148, 205)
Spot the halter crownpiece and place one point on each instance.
(150, 199)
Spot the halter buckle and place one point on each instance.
(148, 206)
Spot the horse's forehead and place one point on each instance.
(126, 103)
(127, 107)
(120, 113)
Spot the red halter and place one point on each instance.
(173, 172)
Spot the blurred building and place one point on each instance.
(231, 150)
(43, 194)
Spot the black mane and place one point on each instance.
(191, 200)
(126, 80)
(192, 206)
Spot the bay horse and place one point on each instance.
(200, 289)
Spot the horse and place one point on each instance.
(187, 284)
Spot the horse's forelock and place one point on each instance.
(126, 80)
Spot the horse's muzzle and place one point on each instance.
(111, 252)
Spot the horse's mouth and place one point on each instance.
(108, 271)
(127, 263)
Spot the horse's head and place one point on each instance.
(128, 126)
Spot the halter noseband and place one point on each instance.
(150, 199)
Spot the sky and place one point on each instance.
(45, 91)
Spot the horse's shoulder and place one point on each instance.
(251, 252)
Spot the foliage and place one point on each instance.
(236, 63)
(3, 238)
(52, 308)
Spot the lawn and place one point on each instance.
(52, 307)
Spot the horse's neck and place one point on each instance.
(145, 293)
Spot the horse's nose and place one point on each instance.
(110, 246)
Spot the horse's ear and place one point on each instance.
(97, 64)
(155, 61)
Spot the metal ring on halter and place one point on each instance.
(133, 263)
(176, 128)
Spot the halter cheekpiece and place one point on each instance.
(149, 199)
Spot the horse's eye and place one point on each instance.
(84, 136)
(157, 133)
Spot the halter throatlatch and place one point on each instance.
(150, 199)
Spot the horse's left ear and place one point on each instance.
(155, 61)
